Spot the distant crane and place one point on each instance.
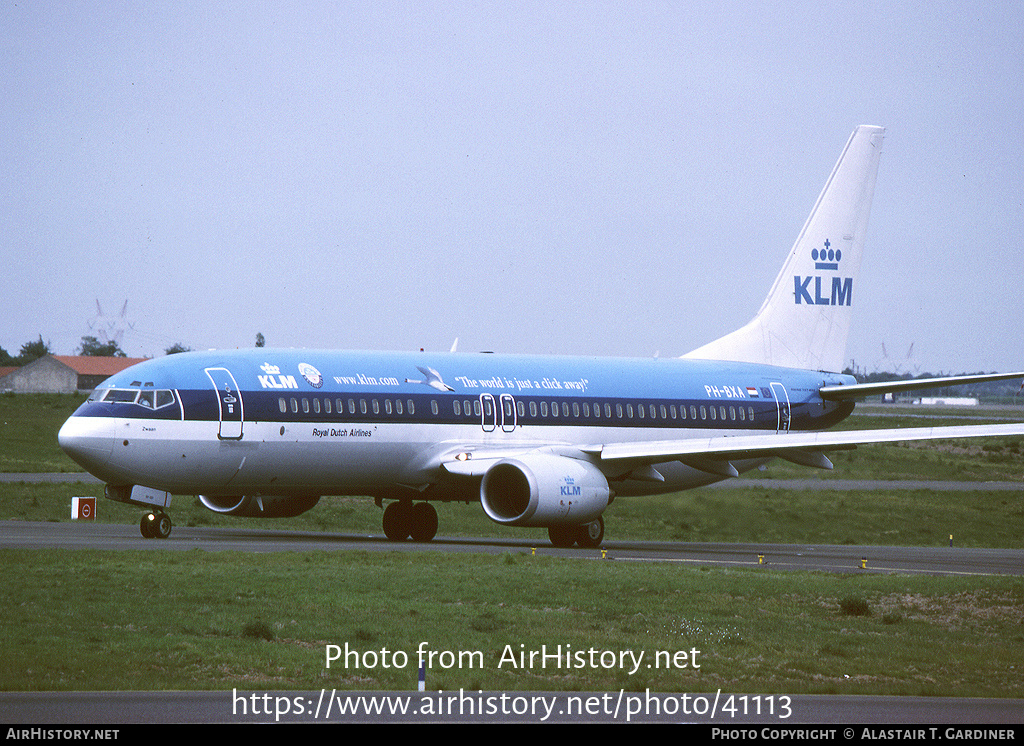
(887, 364)
(110, 328)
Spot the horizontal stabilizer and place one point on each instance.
(861, 390)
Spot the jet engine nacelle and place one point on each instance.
(260, 506)
(544, 490)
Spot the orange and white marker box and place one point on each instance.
(83, 508)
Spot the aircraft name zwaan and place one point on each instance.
(537, 441)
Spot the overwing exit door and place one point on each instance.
(229, 399)
(488, 413)
(493, 413)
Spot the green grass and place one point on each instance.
(98, 620)
(28, 432)
(983, 460)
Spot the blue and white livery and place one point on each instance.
(538, 441)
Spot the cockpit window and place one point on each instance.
(150, 399)
(121, 396)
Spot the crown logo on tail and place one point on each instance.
(826, 258)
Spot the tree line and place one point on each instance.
(90, 347)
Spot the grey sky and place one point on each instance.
(551, 177)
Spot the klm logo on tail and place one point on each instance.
(820, 294)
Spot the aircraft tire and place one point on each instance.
(562, 537)
(146, 526)
(423, 523)
(397, 520)
(162, 526)
(591, 534)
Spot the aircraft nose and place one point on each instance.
(89, 441)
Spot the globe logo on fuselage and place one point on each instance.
(311, 374)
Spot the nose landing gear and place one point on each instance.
(156, 525)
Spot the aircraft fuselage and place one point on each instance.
(286, 422)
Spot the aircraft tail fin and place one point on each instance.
(805, 320)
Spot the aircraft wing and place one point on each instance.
(714, 454)
(860, 390)
(806, 448)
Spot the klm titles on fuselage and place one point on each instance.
(278, 382)
(274, 379)
(820, 294)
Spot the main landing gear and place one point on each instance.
(155, 525)
(589, 535)
(404, 519)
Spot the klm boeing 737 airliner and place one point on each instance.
(538, 441)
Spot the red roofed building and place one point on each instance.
(64, 374)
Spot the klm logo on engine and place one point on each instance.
(570, 488)
(815, 290)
